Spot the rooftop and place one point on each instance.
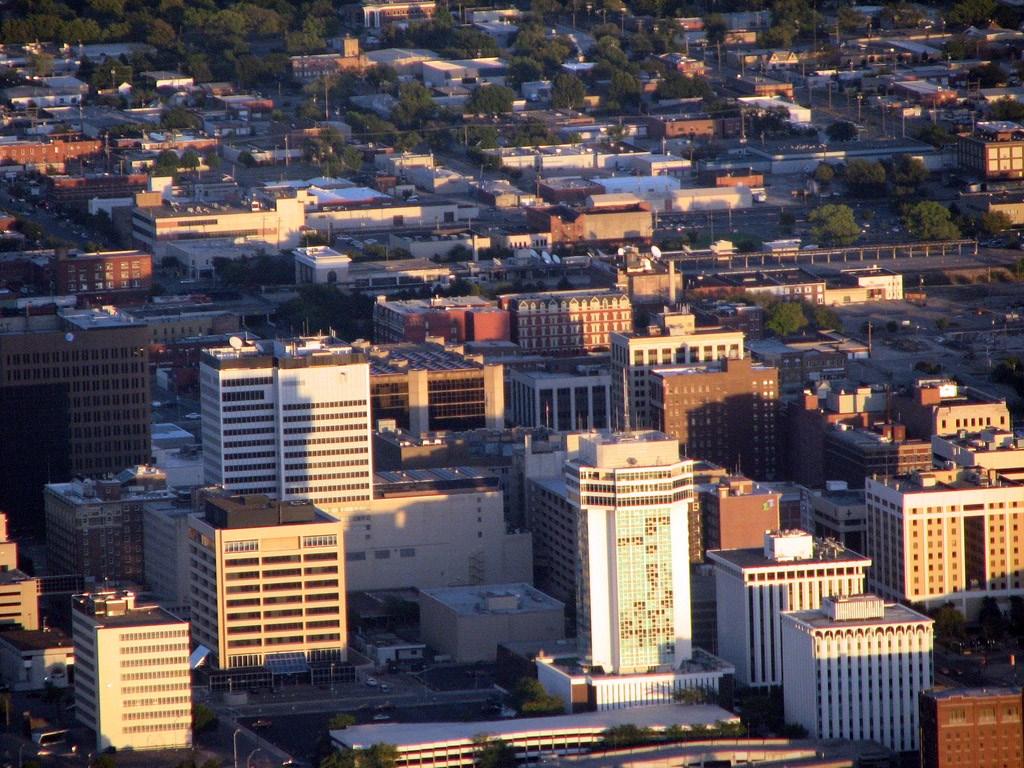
(489, 599)
(970, 693)
(411, 735)
(36, 639)
(755, 557)
(396, 359)
(891, 613)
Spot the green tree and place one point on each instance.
(715, 27)
(531, 699)
(340, 721)
(567, 91)
(784, 318)
(1007, 109)
(625, 90)
(824, 174)
(677, 86)
(967, 12)
(848, 20)
(179, 118)
(626, 735)
(490, 100)
(988, 75)
(907, 175)
(841, 130)
(928, 220)
(825, 318)
(494, 753)
(203, 718)
(190, 159)
(834, 225)
(950, 625)
(935, 134)
(865, 178)
(992, 223)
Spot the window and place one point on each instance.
(320, 541)
(242, 546)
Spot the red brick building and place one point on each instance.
(606, 223)
(455, 319)
(975, 727)
(46, 152)
(567, 322)
(77, 191)
(110, 277)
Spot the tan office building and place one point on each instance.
(133, 687)
(945, 536)
(267, 582)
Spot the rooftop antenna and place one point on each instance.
(625, 399)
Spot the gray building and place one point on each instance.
(468, 623)
(563, 402)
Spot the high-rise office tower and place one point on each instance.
(632, 494)
(289, 419)
(74, 389)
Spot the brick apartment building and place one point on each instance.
(76, 191)
(109, 277)
(455, 319)
(567, 322)
(41, 152)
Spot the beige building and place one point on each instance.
(950, 535)
(267, 582)
(988, 449)
(674, 340)
(19, 592)
(32, 659)
(943, 407)
(276, 226)
(468, 623)
(133, 686)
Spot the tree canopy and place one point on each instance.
(928, 220)
(834, 225)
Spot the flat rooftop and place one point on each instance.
(411, 735)
(415, 482)
(140, 616)
(894, 614)
(487, 599)
(967, 693)
(36, 639)
(754, 557)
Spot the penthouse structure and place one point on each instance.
(854, 669)
(946, 535)
(79, 383)
(755, 586)
(289, 419)
(567, 322)
(267, 583)
(133, 685)
(674, 340)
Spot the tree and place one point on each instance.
(715, 27)
(1006, 109)
(531, 699)
(865, 178)
(935, 134)
(991, 619)
(834, 225)
(626, 735)
(491, 100)
(967, 12)
(992, 223)
(203, 718)
(784, 318)
(950, 625)
(824, 174)
(987, 75)
(928, 220)
(494, 753)
(190, 159)
(849, 20)
(677, 86)
(340, 721)
(908, 175)
(841, 130)
(825, 318)
(567, 92)
(625, 90)
(178, 119)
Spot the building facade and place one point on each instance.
(994, 151)
(979, 727)
(945, 535)
(567, 322)
(674, 340)
(563, 402)
(80, 385)
(633, 495)
(733, 513)
(133, 686)
(106, 277)
(854, 669)
(290, 419)
(267, 582)
(754, 587)
(455, 319)
(726, 412)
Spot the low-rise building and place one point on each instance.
(995, 150)
(943, 407)
(604, 219)
(454, 319)
(567, 322)
(32, 659)
(468, 623)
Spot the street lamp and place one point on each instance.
(234, 740)
(248, 763)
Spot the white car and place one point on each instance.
(372, 682)
(193, 416)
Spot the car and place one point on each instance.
(261, 724)
(371, 682)
(193, 416)
(382, 717)
(385, 687)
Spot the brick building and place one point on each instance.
(726, 412)
(108, 277)
(455, 319)
(624, 219)
(567, 322)
(733, 513)
(42, 152)
(979, 727)
(994, 151)
(76, 191)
